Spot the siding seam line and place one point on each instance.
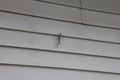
(61, 52)
(91, 25)
(60, 68)
(72, 37)
(101, 11)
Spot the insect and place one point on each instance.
(59, 40)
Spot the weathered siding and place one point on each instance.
(90, 43)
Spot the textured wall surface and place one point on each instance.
(89, 48)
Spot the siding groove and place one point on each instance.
(58, 59)
(41, 9)
(58, 68)
(69, 18)
(64, 36)
(87, 24)
(108, 6)
(102, 19)
(29, 15)
(19, 72)
(70, 30)
(48, 1)
(79, 46)
(64, 52)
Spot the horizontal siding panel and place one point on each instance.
(42, 9)
(74, 3)
(57, 59)
(102, 5)
(39, 41)
(19, 22)
(102, 19)
(24, 73)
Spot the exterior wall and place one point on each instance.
(90, 42)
